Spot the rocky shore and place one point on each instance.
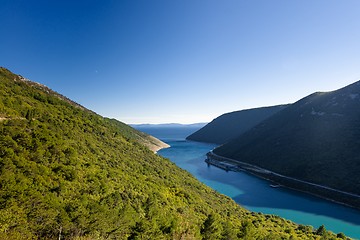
(155, 144)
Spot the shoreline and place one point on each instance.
(157, 144)
(156, 149)
(154, 144)
(324, 192)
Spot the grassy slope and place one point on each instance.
(67, 172)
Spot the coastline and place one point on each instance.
(156, 144)
(324, 192)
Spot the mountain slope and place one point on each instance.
(67, 173)
(316, 139)
(48, 96)
(230, 125)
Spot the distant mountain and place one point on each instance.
(168, 125)
(316, 139)
(68, 173)
(230, 125)
(163, 131)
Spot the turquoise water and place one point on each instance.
(255, 194)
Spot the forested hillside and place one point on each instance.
(316, 139)
(231, 125)
(68, 173)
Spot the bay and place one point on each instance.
(254, 193)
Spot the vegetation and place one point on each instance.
(68, 173)
(315, 139)
(230, 125)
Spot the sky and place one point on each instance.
(182, 61)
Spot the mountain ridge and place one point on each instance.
(230, 125)
(151, 142)
(315, 139)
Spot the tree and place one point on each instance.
(341, 235)
(321, 230)
(211, 228)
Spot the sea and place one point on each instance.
(254, 193)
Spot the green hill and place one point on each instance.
(230, 125)
(316, 139)
(68, 173)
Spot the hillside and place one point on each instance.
(46, 95)
(68, 173)
(231, 125)
(316, 139)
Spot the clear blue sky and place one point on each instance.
(161, 61)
